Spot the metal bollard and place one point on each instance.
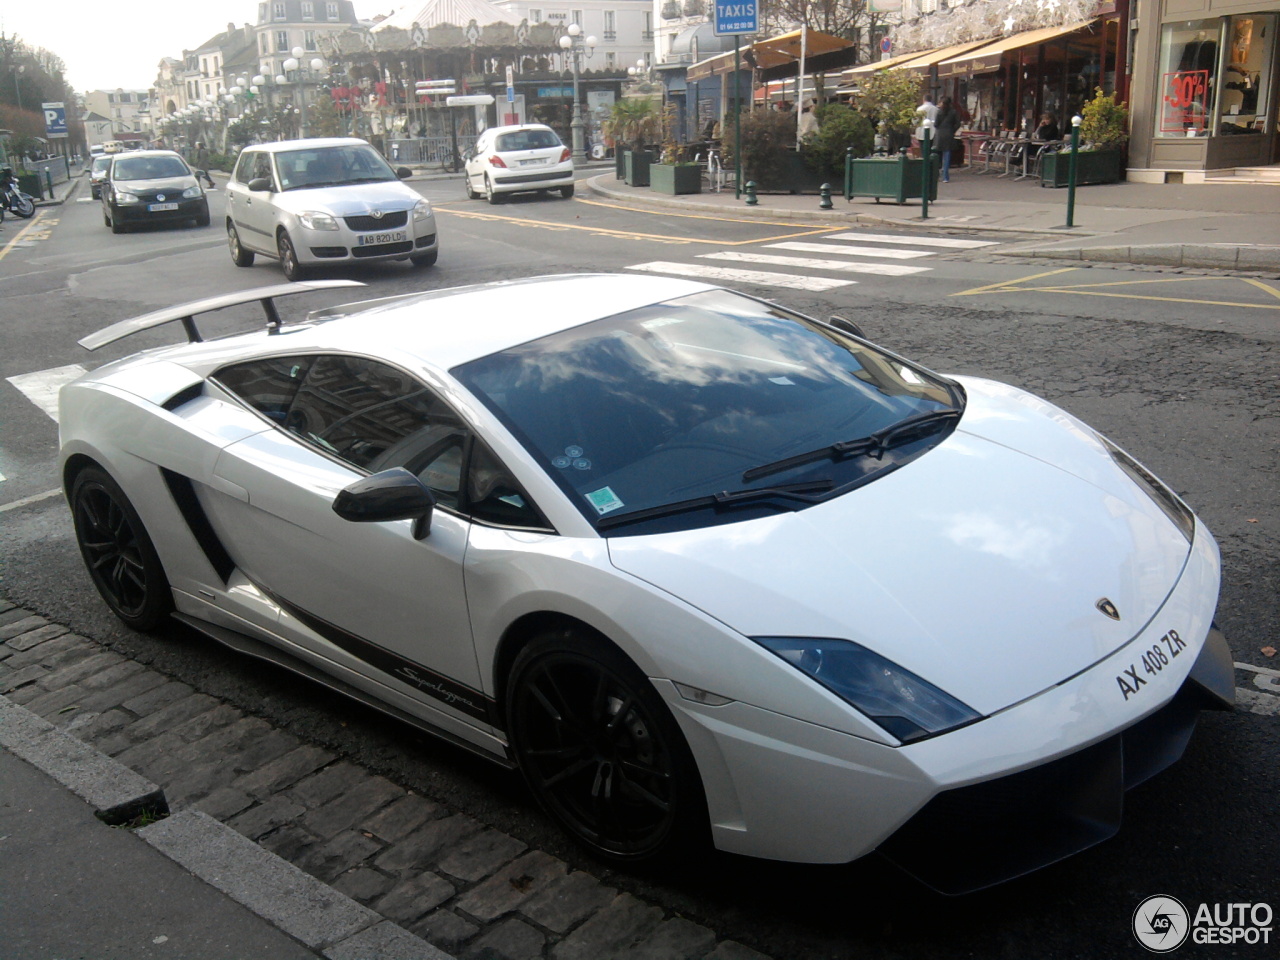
(750, 189)
(824, 192)
(48, 182)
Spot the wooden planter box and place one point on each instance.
(792, 175)
(1092, 166)
(674, 178)
(637, 168)
(894, 178)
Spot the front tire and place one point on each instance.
(293, 271)
(424, 259)
(239, 255)
(115, 225)
(120, 556)
(202, 218)
(601, 751)
(471, 191)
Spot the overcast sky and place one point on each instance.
(118, 43)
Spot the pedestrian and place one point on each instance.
(928, 111)
(202, 163)
(947, 125)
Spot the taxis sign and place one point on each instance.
(736, 16)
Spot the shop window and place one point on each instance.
(1188, 78)
(1247, 75)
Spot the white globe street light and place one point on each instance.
(574, 43)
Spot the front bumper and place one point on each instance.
(344, 245)
(139, 212)
(1022, 784)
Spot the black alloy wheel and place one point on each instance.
(120, 556)
(601, 751)
(239, 255)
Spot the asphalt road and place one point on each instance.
(1180, 369)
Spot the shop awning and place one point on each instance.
(779, 53)
(921, 64)
(890, 64)
(986, 59)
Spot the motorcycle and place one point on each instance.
(12, 199)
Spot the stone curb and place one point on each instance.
(280, 893)
(1214, 256)
(115, 792)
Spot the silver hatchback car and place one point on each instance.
(310, 203)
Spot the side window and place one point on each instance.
(244, 167)
(494, 496)
(269, 386)
(262, 166)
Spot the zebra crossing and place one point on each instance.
(874, 254)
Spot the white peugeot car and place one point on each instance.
(518, 159)
(316, 203)
(700, 566)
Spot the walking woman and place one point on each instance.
(946, 128)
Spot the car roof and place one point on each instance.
(441, 329)
(517, 126)
(151, 153)
(283, 146)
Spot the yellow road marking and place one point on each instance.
(634, 234)
(4, 252)
(1090, 289)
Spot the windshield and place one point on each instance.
(704, 397)
(527, 140)
(331, 166)
(148, 168)
(100, 165)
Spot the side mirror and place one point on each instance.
(394, 494)
(260, 185)
(848, 326)
(404, 173)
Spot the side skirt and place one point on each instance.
(253, 647)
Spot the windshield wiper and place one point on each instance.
(725, 498)
(873, 445)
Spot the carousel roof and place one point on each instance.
(456, 12)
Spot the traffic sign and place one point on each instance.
(435, 88)
(885, 44)
(55, 119)
(736, 17)
(470, 100)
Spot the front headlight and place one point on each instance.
(317, 220)
(191, 193)
(891, 696)
(422, 210)
(122, 197)
(1162, 496)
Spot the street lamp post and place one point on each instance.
(574, 43)
(295, 67)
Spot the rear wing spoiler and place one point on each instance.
(187, 312)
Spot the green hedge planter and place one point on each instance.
(893, 178)
(637, 167)
(1092, 166)
(788, 173)
(674, 178)
(31, 184)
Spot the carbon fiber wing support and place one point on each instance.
(187, 312)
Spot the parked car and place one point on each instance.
(518, 159)
(700, 566)
(98, 174)
(323, 202)
(151, 186)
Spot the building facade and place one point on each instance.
(1206, 88)
(129, 113)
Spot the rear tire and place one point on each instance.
(293, 271)
(121, 559)
(239, 255)
(601, 751)
(23, 206)
(489, 194)
(566, 192)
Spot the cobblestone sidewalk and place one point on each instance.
(453, 881)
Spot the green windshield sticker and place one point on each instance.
(604, 500)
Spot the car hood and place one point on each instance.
(175, 184)
(355, 200)
(978, 566)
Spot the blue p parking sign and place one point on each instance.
(736, 16)
(55, 119)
